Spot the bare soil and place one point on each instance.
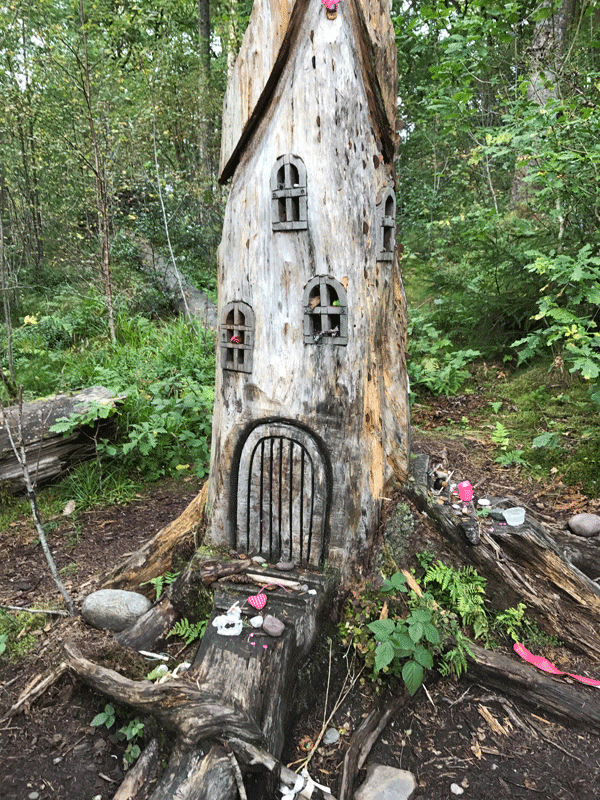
(451, 732)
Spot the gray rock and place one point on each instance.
(114, 609)
(584, 524)
(386, 783)
(285, 566)
(331, 736)
(273, 626)
(258, 559)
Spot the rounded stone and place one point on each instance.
(114, 609)
(256, 621)
(273, 626)
(330, 736)
(258, 559)
(285, 566)
(584, 524)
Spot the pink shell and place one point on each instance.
(258, 601)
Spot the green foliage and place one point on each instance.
(568, 306)
(16, 632)
(161, 581)
(188, 632)
(462, 592)
(434, 364)
(127, 732)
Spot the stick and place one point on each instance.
(36, 610)
(33, 690)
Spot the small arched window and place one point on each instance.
(288, 194)
(325, 311)
(237, 337)
(387, 226)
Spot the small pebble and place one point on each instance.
(456, 789)
(285, 566)
(57, 760)
(258, 559)
(330, 736)
(257, 621)
(312, 591)
(304, 587)
(33, 795)
(273, 626)
(483, 501)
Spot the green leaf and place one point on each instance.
(382, 628)
(384, 655)
(416, 631)
(431, 633)
(412, 675)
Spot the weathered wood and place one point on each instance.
(135, 785)
(50, 455)
(526, 564)
(193, 776)
(568, 702)
(194, 713)
(153, 626)
(331, 377)
(364, 737)
(156, 557)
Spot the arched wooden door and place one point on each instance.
(282, 495)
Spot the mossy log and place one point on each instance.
(51, 455)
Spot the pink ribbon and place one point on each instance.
(542, 663)
(330, 5)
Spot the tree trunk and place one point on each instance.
(546, 55)
(524, 563)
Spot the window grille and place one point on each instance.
(237, 337)
(325, 312)
(288, 194)
(387, 228)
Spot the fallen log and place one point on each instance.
(524, 563)
(567, 702)
(134, 787)
(50, 455)
(364, 737)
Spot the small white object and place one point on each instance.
(158, 656)
(256, 621)
(514, 516)
(456, 789)
(304, 587)
(181, 668)
(312, 591)
(229, 624)
(483, 501)
(258, 559)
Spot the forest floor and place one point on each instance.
(454, 732)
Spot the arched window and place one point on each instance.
(325, 311)
(237, 337)
(288, 194)
(387, 226)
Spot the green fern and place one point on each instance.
(462, 592)
(189, 633)
(161, 581)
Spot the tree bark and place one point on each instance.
(562, 700)
(50, 455)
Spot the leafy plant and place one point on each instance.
(462, 592)
(188, 632)
(128, 732)
(161, 581)
(3, 641)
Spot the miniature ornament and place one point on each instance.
(465, 491)
(332, 7)
(230, 623)
(258, 601)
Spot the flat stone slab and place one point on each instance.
(386, 783)
(114, 609)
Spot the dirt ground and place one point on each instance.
(450, 733)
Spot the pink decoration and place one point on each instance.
(236, 340)
(465, 491)
(330, 5)
(258, 601)
(542, 663)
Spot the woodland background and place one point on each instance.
(110, 125)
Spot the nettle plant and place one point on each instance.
(404, 646)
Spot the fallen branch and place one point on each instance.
(364, 737)
(37, 610)
(34, 689)
(139, 774)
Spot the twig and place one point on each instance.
(239, 779)
(33, 690)
(344, 691)
(36, 610)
